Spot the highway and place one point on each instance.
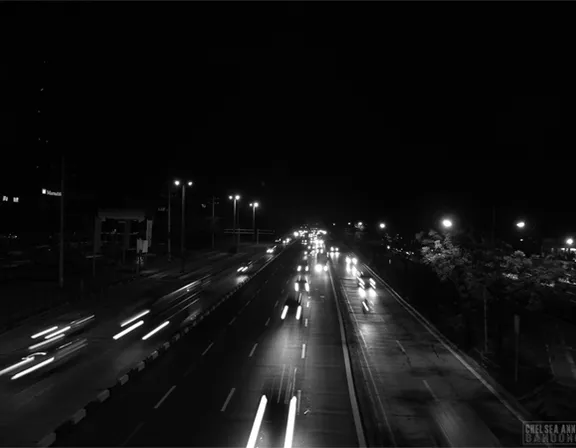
(412, 376)
(33, 405)
(207, 390)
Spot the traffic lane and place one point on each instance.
(420, 370)
(221, 397)
(222, 369)
(112, 423)
(102, 337)
(128, 296)
(324, 415)
(55, 397)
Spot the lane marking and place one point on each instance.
(164, 397)
(290, 424)
(282, 290)
(400, 346)
(253, 350)
(228, 399)
(276, 304)
(281, 381)
(303, 351)
(299, 395)
(207, 348)
(232, 321)
(133, 433)
(267, 322)
(308, 304)
(351, 391)
(430, 390)
(306, 322)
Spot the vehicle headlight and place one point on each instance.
(318, 268)
(325, 267)
(299, 268)
(306, 268)
(296, 287)
(354, 260)
(307, 287)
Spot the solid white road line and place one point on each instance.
(253, 350)
(164, 397)
(207, 348)
(228, 399)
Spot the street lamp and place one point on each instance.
(254, 206)
(182, 230)
(360, 223)
(447, 223)
(235, 198)
(382, 225)
(521, 224)
(569, 243)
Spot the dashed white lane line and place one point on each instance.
(306, 322)
(308, 304)
(303, 351)
(232, 321)
(133, 433)
(400, 346)
(267, 322)
(164, 397)
(253, 350)
(430, 390)
(276, 304)
(282, 291)
(207, 348)
(228, 399)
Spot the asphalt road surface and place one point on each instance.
(207, 389)
(34, 405)
(413, 375)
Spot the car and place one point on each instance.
(334, 249)
(303, 267)
(364, 280)
(245, 268)
(301, 285)
(292, 306)
(321, 266)
(271, 250)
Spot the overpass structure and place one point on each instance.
(255, 232)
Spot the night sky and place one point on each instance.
(275, 121)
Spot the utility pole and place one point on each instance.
(61, 261)
(214, 202)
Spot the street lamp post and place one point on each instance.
(235, 198)
(170, 222)
(254, 206)
(183, 229)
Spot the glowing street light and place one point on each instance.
(382, 225)
(182, 230)
(254, 206)
(360, 223)
(521, 224)
(569, 241)
(447, 223)
(235, 198)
